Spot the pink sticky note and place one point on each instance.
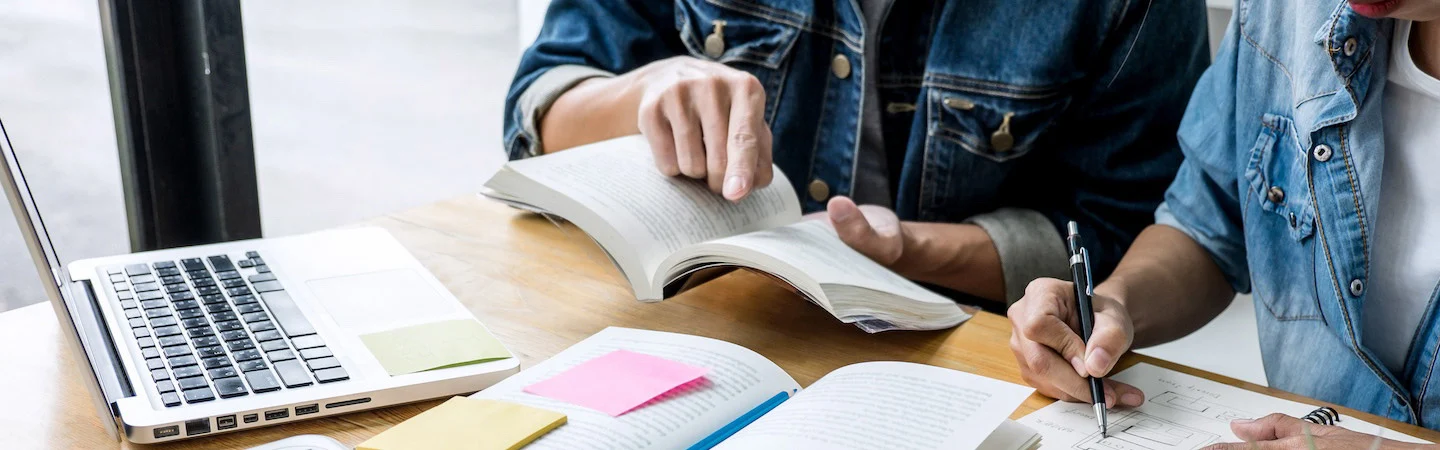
(617, 382)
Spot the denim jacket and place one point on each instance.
(1085, 97)
(1283, 147)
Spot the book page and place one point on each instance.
(813, 247)
(738, 381)
(1181, 412)
(890, 405)
(656, 214)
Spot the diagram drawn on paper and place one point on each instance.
(1141, 431)
(1200, 407)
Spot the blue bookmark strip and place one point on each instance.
(734, 427)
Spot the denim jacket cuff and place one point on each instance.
(536, 100)
(1030, 247)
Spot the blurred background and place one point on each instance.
(358, 108)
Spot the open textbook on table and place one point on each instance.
(658, 230)
(747, 402)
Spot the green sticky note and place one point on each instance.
(434, 345)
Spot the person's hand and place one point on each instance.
(706, 120)
(1054, 359)
(874, 231)
(1279, 431)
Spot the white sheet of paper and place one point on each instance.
(1181, 411)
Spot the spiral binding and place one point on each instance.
(1325, 415)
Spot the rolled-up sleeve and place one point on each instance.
(1029, 246)
(535, 100)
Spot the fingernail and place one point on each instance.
(1131, 399)
(734, 184)
(1099, 360)
(1079, 365)
(842, 214)
(1242, 421)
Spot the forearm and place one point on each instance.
(1169, 285)
(594, 110)
(957, 256)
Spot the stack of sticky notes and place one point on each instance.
(617, 382)
(468, 423)
(434, 345)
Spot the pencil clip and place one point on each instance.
(1089, 278)
(1323, 415)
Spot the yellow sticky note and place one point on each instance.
(468, 423)
(434, 345)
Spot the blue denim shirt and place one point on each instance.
(1090, 91)
(1283, 147)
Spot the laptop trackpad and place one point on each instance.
(379, 301)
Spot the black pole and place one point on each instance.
(182, 120)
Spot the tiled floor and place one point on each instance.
(360, 107)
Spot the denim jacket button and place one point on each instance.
(1350, 46)
(840, 66)
(1276, 195)
(819, 191)
(715, 42)
(1322, 153)
(1357, 287)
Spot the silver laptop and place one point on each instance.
(210, 339)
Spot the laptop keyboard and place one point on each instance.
(208, 332)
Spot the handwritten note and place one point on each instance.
(434, 345)
(617, 382)
(1181, 412)
(468, 423)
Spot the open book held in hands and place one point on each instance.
(658, 230)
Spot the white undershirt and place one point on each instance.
(1405, 263)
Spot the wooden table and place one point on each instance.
(540, 288)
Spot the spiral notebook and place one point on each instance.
(1181, 411)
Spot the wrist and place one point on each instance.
(957, 256)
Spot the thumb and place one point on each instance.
(851, 225)
(1271, 427)
(1108, 340)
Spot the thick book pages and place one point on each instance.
(658, 230)
(866, 405)
(1180, 412)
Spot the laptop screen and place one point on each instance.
(88, 345)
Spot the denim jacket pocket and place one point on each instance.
(749, 42)
(1279, 234)
(995, 128)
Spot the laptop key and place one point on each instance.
(232, 283)
(252, 365)
(171, 340)
(271, 346)
(291, 319)
(243, 344)
(165, 386)
(252, 254)
(250, 308)
(151, 304)
(207, 290)
(173, 288)
(193, 264)
(163, 264)
(168, 271)
(246, 264)
(199, 331)
(243, 300)
(262, 326)
(172, 279)
(182, 361)
(304, 342)
(186, 304)
(137, 323)
(281, 355)
(331, 375)
(262, 381)
(267, 335)
(133, 313)
(188, 371)
(199, 395)
(262, 268)
(268, 286)
(178, 296)
(191, 383)
(170, 399)
(205, 341)
(125, 295)
(218, 361)
(146, 342)
(163, 321)
(195, 322)
(203, 281)
(230, 387)
(197, 274)
(141, 331)
(233, 335)
(313, 353)
(218, 308)
(228, 275)
(262, 277)
(137, 269)
(221, 263)
(322, 363)
(237, 291)
(211, 351)
(151, 352)
(179, 350)
(223, 316)
(160, 374)
(120, 286)
(228, 325)
(158, 312)
(145, 287)
(151, 295)
(128, 304)
(154, 363)
(256, 317)
(292, 373)
(213, 299)
(246, 355)
(223, 372)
